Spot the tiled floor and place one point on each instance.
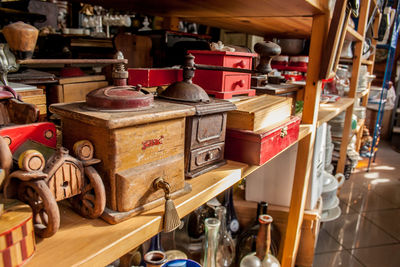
(368, 231)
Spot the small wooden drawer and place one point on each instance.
(258, 147)
(206, 155)
(206, 129)
(237, 62)
(237, 82)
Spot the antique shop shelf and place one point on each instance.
(85, 242)
(328, 111)
(353, 35)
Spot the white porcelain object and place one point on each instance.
(331, 214)
(347, 51)
(331, 184)
(332, 204)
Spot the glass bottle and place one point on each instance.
(210, 242)
(232, 222)
(155, 243)
(262, 256)
(246, 242)
(226, 245)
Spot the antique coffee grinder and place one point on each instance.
(138, 140)
(205, 131)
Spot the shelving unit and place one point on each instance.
(94, 242)
(101, 242)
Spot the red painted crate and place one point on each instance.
(224, 84)
(258, 147)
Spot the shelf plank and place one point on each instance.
(362, 94)
(305, 129)
(350, 61)
(353, 35)
(328, 111)
(85, 242)
(70, 61)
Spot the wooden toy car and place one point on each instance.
(47, 174)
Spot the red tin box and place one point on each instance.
(258, 147)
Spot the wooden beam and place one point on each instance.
(362, 22)
(305, 149)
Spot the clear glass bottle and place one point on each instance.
(232, 222)
(226, 245)
(262, 257)
(246, 242)
(210, 242)
(155, 243)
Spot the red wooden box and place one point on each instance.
(223, 84)
(258, 147)
(150, 77)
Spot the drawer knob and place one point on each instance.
(240, 83)
(284, 131)
(240, 64)
(209, 156)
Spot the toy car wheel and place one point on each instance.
(83, 150)
(31, 160)
(46, 216)
(92, 200)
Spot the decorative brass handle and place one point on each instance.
(283, 132)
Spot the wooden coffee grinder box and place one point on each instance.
(138, 139)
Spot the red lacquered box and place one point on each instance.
(224, 84)
(150, 77)
(258, 147)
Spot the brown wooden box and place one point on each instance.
(259, 112)
(135, 148)
(75, 88)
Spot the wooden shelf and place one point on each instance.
(367, 62)
(353, 35)
(362, 94)
(274, 17)
(87, 242)
(328, 111)
(350, 61)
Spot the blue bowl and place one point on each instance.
(181, 263)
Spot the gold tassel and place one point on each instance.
(171, 217)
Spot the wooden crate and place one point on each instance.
(75, 88)
(246, 210)
(259, 112)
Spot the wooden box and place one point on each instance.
(259, 112)
(223, 84)
(258, 147)
(75, 88)
(17, 237)
(135, 148)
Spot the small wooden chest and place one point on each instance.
(224, 84)
(135, 148)
(258, 147)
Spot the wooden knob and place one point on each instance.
(31, 160)
(240, 83)
(240, 64)
(83, 150)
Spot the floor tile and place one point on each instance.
(354, 231)
(388, 220)
(383, 256)
(346, 209)
(390, 192)
(339, 258)
(362, 199)
(326, 243)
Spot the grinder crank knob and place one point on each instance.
(266, 50)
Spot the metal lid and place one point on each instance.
(119, 98)
(186, 90)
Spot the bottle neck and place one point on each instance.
(155, 243)
(220, 213)
(211, 242)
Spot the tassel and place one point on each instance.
(171, 217)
